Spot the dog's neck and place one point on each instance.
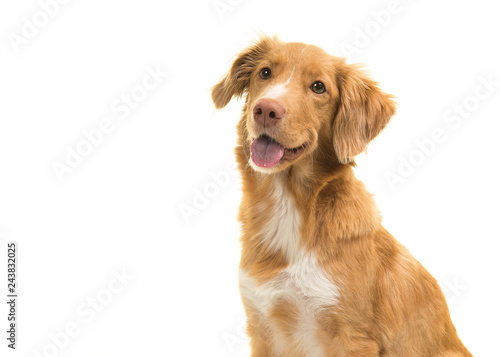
(345, 203)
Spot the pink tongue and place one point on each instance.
(265, 152)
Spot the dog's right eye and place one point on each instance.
(265, 73)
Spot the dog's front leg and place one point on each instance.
(352, 346)
(260, 344)
(258, 331)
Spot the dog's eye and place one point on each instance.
(318, 87)
(265, 73)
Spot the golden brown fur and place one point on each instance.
(388, 304)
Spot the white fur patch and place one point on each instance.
(279, 89)
(282, 231)
(303, 282)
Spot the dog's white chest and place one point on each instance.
(305, 285)
(303, 282)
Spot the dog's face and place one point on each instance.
(299, 100)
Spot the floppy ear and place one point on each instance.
(236, 82)
(364, 110)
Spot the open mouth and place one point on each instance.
(267, 152)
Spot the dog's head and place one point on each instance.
(301, 100)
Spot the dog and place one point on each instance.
(319, 275)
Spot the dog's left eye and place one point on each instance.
(318, 87)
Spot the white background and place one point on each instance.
(120, 207)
